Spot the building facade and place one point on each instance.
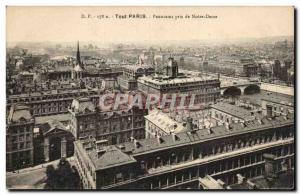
(52, 102)
(179, 160)
(19, 138)
(128, 81)
(114, 126)
(205, 88)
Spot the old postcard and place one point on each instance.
(150, 98)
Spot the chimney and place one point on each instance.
(259, 121)
(269, 111)
(174, 137)
(189, 124)
(227, 125)
(101, 143)
(100, 152)
(243, 124)
(221, 183)
(136, 143)
(251, 184)
(121, 147)
(240, 179)
(160, 140)
(270, 166)
(209, 131)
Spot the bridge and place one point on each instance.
(235, 87)
(231, 86)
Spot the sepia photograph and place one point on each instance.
(150, 98)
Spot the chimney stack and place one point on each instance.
(189, 124)
(100, 152)
(101, 143)
(269, 111)
(209, 131)
(160, 140)
(174, 137)
(240, 179)
(251, 184)
(270, 166)
(227, 125)
(136, 143)
(221, 183)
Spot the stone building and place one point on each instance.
(51, 102)
(53, 140)
(128, 81)
(205, 88)
(158, 123)
(19, 138)
(114, 126)
(279, 105)
(228, 113)
(276, 176)
(179, 160)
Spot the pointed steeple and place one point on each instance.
(78, 54)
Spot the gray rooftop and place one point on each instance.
(233, 110)
(124, 153)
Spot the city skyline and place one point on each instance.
(58, 24)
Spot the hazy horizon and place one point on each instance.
(64, 24)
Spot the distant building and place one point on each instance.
(250, 68)
(205, 88)
(128, 81)
(52, 102)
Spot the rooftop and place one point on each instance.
(111, 156)
(233, 110)
(51, 92)
(83, 105)
(137, 67)
(284, 180)
(284, 100)
(51, 125)
(18, 113)
(124, 153)
(164, 122)
(164, 80)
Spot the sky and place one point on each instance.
(65, 24)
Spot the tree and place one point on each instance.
(63, 177)
(51, 177)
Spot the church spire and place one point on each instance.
(78, 54)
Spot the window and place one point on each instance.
(21, 138)
(21, 145)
